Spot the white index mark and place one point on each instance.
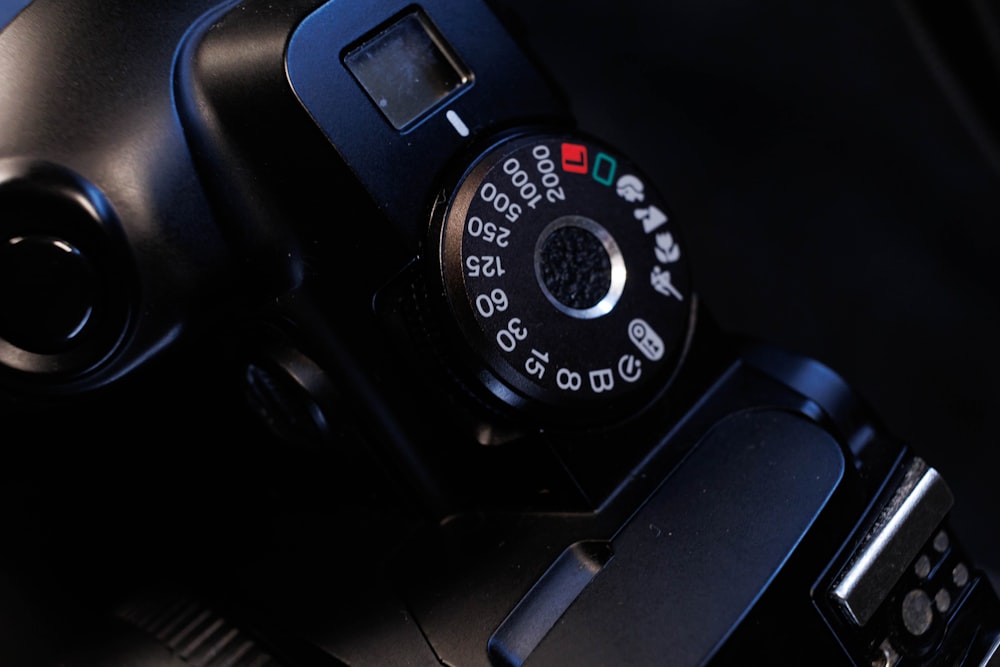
(457, 123)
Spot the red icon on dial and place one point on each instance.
(574, 158)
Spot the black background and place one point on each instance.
(832, 196)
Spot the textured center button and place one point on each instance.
(579, 267)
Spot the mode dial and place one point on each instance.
(565, 276)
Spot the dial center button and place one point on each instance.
(579, 267)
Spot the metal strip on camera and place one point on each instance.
(992, 658)
(915, 510)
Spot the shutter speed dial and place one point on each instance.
(565, 276)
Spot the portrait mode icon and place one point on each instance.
(630, 188)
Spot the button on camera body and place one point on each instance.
(66, 271)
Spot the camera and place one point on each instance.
(337, 341)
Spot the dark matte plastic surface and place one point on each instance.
(505, 90)
(693, 561)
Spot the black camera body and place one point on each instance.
(356, 281)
